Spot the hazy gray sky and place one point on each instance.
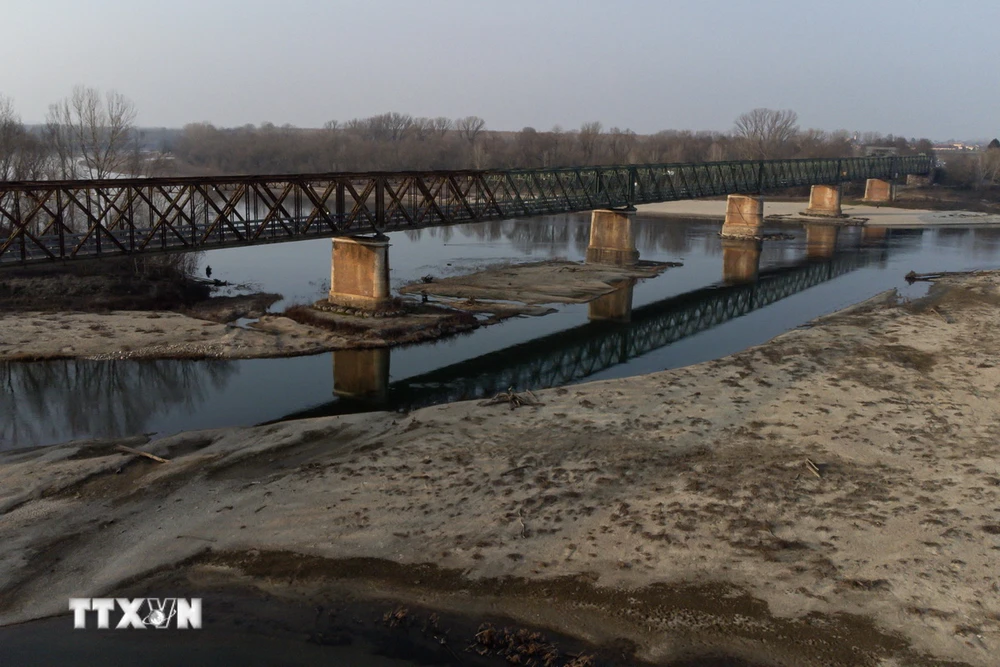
(911, 67)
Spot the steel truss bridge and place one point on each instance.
(570, 356)
(62, 220)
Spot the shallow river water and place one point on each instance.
(687, 315)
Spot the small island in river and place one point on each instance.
(49, 314)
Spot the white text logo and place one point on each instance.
(140, 613)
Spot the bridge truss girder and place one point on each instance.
(61, 220)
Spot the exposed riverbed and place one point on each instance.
(828, 497)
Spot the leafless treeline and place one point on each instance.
(394, 141)
(90, 134)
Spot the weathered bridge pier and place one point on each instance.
(745, 213)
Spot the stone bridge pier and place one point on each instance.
(744, 216)
(740, 260)
(612, 239)
(359, 276)
(614, 306)
(362, 374)
(879, 191)
(824, 202)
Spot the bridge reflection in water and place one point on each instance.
(615, 334)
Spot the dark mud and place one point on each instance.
(433, 615)
(90, 286)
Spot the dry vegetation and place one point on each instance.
(395, 141)
(161, 282)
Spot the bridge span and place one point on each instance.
(45, 221)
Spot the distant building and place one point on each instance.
(955, 147)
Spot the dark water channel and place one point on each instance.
(687, 315)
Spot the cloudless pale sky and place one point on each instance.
(911, 67)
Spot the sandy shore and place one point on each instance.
(203, 332)
(153, 335)
(829, 497)
(878, 216)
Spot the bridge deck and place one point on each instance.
(60, 220)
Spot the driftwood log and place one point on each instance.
(913, 276)
(135, 452)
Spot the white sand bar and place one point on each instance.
(882, 216)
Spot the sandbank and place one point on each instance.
(829, 497)
(875, 216)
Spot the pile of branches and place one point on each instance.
(512, 398)
(524, 647)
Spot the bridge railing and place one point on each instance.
(58, 220)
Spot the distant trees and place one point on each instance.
(22, 154)
(470, 127)
(93, 135)
(398, 141)
(588, 138)
(764, 134)
(621, 144)
(11, 132)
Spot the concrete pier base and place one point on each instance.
(740, 260)
(821, 241)
(612, 240)
(359, 277)
(744, 216)
(615, 306)
(361, 374)
(824, 202)
(878, 191)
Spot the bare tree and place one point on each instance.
(620, 144)
(470, 127)
(11, 131)
(94, 135)
(442, 125)
(987, 167)
(765, 133)
(398, 125)
(716, 152)
(588, 137)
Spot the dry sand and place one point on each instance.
(876, 216)
(539, 282)
(153, 335)
(36, 335)
(828, 498)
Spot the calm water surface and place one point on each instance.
(687, 315)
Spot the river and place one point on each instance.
(687, 315)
